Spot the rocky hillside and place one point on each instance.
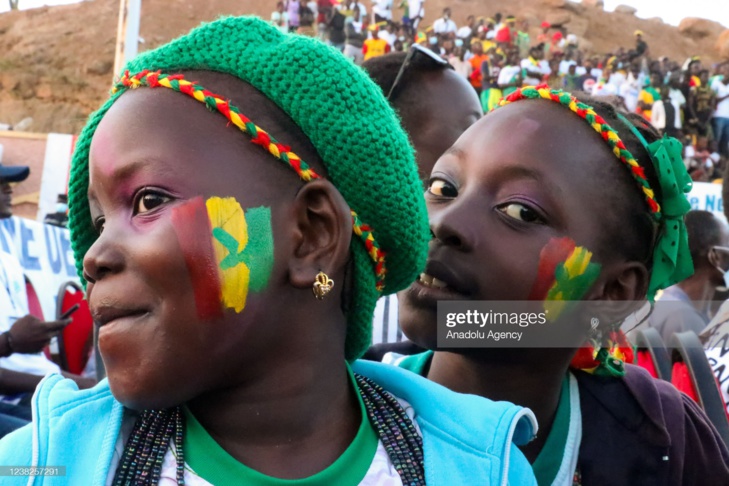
(56, 62)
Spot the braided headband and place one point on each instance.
(587, 113)
(260, 137)
(671, 255)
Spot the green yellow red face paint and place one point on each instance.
(228, 251)
(565, 273)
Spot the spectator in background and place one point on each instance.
(322, 12)
(701, 107)
(721, 113)
(708, 238)
(436, 105)
(415, 13)
(292, 10)
(535, 67)
(468, 31)
(445, 25)
(60, 216)
(374, 46)
(280, 18)
(523, 42)
(490, 91)
(335, 23)
(587, 77)
(388, 33)
(476, 61)
(649, 94)
(641, 47)
(460, 65)
(510, 77)
(630, 89)
(674, 123)
(382, 10)
(603, 86)
(22, 335)
(506, 35)
(570, 80)
(554, 79)
(354, 37)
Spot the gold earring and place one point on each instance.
(322, 285)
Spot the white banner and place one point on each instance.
(56, 164)
(44, 252)
(707, 197)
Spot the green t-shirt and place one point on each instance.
(550, 458)
(213, 464)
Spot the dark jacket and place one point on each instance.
(638, 431)
(642, 431)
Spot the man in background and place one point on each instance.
(689, 301)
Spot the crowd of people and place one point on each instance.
(234, 285)
(688, 100)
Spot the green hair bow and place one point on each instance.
(671, 256)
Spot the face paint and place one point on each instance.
(234, 256)
(243, 245)
(565, 273)
(191, 224)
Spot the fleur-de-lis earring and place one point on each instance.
(322, 285)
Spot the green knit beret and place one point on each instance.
(359, 138)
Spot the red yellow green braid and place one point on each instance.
(608, 134)
(177, 82)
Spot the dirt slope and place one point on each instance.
(56, 62)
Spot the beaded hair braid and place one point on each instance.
(177, 82)
(587, 113)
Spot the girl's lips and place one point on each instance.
(424, 294)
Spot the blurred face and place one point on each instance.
(182, 269)
(6, 199)
(695, 68)
(494, 207)
(439, 120)
(477, 48)
(656, 80)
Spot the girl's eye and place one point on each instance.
(99, 224)
(147, 201)
(439, 187)
(521, 212)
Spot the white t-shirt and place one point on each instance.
(507, 73)
(601, 88)
(721, 89)
(415, 8)
(383, 8)
(464, 32)
(677, 99)
(13, 306)
(564, 66)
(541, 67)
(444, 26)
(390, 38)
(381, 471)
(629, 90)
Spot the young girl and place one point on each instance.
(551, 195)
(233, 282)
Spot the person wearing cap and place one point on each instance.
(234, 283)
(641, 47)
(22, 336)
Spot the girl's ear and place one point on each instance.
(623, 287)
(321, 235)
